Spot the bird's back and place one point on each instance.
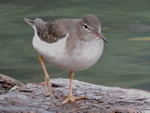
(51, 32)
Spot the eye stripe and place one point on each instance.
(85, 26)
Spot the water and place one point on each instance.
(124, 63)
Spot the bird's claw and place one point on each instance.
(72, 98)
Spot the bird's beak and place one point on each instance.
(99, 35)
(29, 21)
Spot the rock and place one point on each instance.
(6, 83)
(99, 99)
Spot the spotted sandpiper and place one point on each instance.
(70, 44)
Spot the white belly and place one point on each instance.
(85, 56)
(79, 59)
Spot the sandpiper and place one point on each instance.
(70, 44)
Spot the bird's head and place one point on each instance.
(91, 24)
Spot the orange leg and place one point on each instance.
(69, 96)
(47, 79)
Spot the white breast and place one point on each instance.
(86, 55)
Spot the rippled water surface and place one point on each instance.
(126, 58)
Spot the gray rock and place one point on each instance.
(99, 99)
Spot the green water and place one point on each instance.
(124, 63)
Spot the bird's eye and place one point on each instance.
(85, 27)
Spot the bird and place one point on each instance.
(69, 44)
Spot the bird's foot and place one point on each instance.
(48, 84)
(45, 84)
(72, 98)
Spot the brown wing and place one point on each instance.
(52, 32)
